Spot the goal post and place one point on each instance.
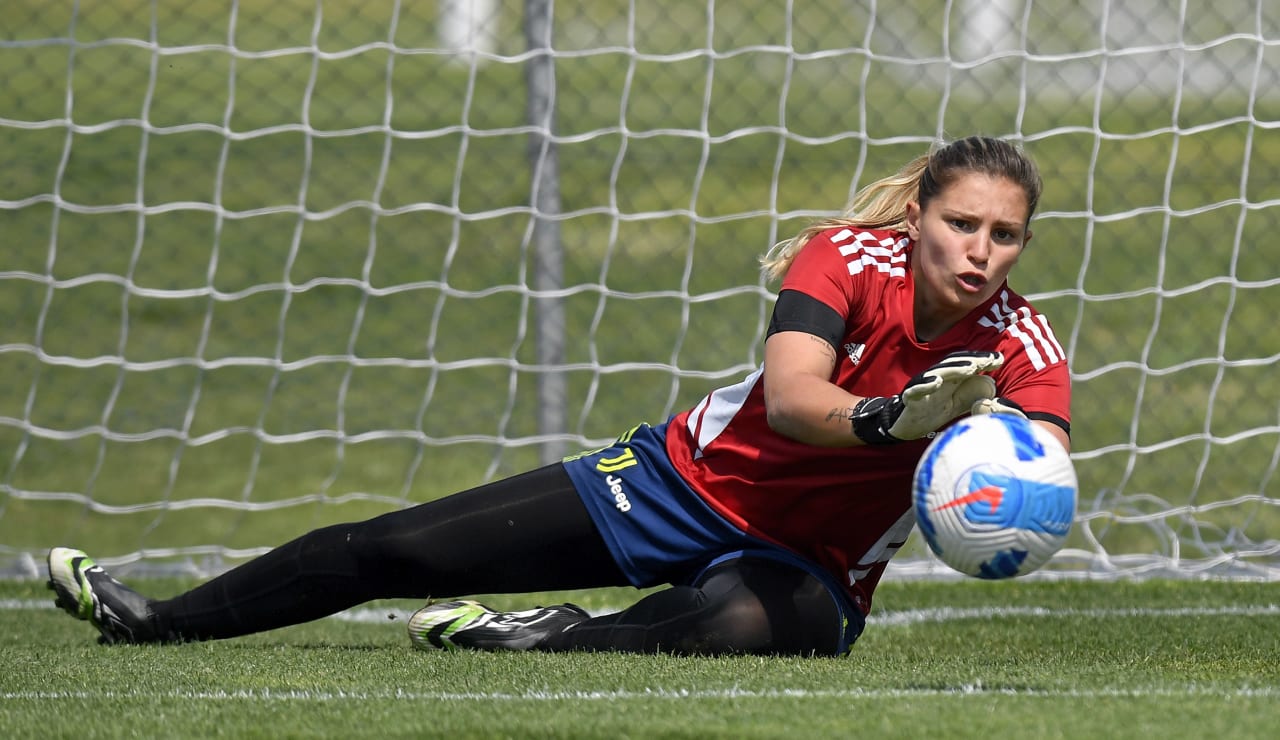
(274, 265)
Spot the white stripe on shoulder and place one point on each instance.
(1050, 337)
(885, 254)
(1029, 328)
(1029, 345)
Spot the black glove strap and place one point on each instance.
(872, 418)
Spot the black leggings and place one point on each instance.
(522, 534)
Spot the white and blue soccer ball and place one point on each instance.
(994, 496)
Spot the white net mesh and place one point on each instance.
(271, 265)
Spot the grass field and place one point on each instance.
(281, 256)
(268, 259)
(963, 659)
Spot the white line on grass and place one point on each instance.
(976, 690)
(947, 614)
(890, 618)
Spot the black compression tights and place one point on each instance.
(748, 605)
(523, 534)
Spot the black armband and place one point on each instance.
(796, 311)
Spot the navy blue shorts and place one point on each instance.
(659, 530)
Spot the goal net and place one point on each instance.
(271, 265)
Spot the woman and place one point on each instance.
(772, 506)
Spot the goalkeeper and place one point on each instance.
(771, 508)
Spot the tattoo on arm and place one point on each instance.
(843, 414)
(827, 349)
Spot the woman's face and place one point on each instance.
(967, 240)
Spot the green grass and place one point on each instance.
(963, 659)
(340, 302)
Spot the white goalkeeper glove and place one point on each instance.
(997, 405)
(929, 400)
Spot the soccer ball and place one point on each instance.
(994, 496)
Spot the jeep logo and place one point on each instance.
(620, 501)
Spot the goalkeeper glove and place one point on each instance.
(997, 405)
(929, 400)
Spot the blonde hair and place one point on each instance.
(883, 203)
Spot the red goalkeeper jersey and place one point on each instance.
(849, 509)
